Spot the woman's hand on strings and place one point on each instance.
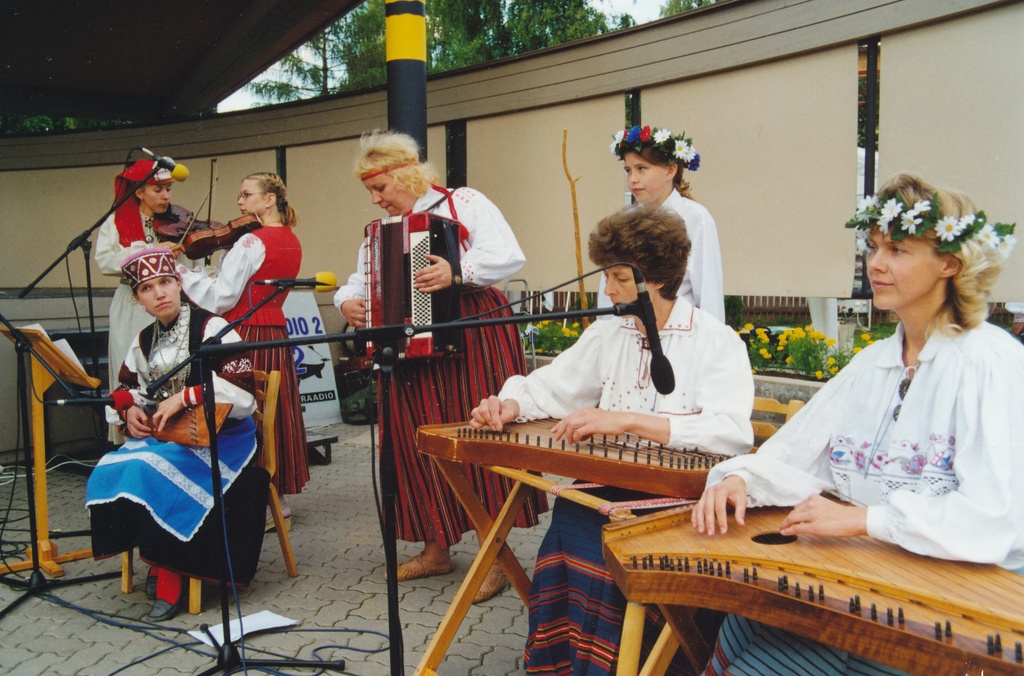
(167, 409)
(138, 423)
(817, 515)
(493, 413)
(712, 511)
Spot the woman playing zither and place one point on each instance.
(920, 433)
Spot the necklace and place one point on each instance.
(147, 229)
(883, 429)
(168, 349)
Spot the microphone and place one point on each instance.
(179, 172)
(661, 369)
(324, 281)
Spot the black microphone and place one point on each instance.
(179, 172)
(83, 401)
(324, 281)
(661, 369)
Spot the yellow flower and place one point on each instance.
(765, 339)
(817, 335)
(766, 354)
(871, 342)
(818, 375)
(780, 348)
(830, 342)
(748, 327)
(834, 369)
(857, 349)
(865, 336)
(831, 361)
(789, 360)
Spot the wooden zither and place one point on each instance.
(625, 461)
(871, 598)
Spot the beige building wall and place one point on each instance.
(516, 160)
(778, 172)
(953, 111)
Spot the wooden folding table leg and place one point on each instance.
(490, 546)
(632, 637)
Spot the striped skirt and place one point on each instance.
(576, 610)
(292, 455)
(445, 390)
(749, 648)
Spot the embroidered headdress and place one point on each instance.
(147, 264)
(897, 219)
(676, 148)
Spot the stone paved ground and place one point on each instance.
(339, 597)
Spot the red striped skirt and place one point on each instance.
(292, 454)
(445, 390)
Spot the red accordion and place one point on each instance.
(395, 250)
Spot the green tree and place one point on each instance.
(673, 7)
(536, 25)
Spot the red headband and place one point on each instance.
(384, 171)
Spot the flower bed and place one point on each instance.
(802, 351)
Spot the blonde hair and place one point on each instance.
(396, 154)
(966, 305)
(272, 183)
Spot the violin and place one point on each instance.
(201, 243)
(200, 239)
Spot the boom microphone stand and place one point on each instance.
(386, 338)
(83, 242)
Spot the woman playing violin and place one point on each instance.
(127, 231)
(269, 252)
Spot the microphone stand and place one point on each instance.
(228, 656)
(83, 242)
(386, 338)
(37, 582)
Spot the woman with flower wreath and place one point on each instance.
(654, 160)
(443, 389)
(920, 433)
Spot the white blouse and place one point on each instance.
(492, 254)
(702, 284)
(221, 293)
(709, 409)
(944, 479)
(244, 403)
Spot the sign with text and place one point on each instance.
(317, 387)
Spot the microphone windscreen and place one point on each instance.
(326, 281)
(179, 173)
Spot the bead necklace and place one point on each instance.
(169, 348)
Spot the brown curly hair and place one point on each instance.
(652, 238)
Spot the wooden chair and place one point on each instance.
(268, 387)
(764, 429)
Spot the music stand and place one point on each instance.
(49, 365)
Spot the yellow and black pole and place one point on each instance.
(406, 54)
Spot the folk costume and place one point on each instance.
(125, 233)
(445, 390)
(157, 495)
(576, 610)
(266, 253)
(931, 450)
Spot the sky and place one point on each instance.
(641, 10)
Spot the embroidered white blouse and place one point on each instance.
(944, 479)
(702, 284)
(608, 369)
(221, 293)
(492, 254)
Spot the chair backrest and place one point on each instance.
(764, 429)
(268, 386)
